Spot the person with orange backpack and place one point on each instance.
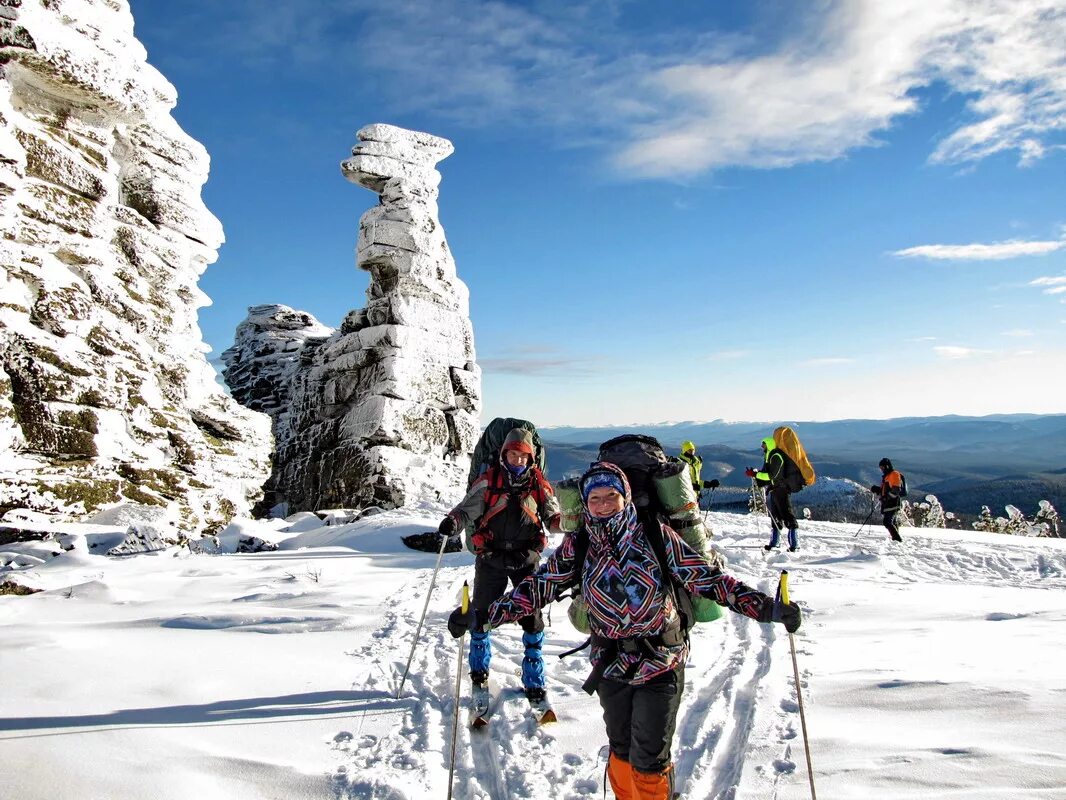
(780, 473)
(893, 487)
(508, 507)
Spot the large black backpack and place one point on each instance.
(642, 458)
(487, 451)
(791, 475)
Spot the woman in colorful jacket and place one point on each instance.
(509, 506)
(639, 648)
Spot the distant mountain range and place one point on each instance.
(966, 462)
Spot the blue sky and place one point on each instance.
(694, 210)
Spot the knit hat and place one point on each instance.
(884, 462)
(603, 475)
(686, 446)
(518, 439)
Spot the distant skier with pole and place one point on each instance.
(891, 492)
(639, 635)
(777, 472)
(695, 466)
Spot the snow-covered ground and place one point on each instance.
(930, 669)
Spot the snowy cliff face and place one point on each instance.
(105, 394)
(385, 411)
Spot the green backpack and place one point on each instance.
(487, 451)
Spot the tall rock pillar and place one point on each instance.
(386, 410)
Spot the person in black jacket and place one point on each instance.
(774, 474)
(891, 492)
(509, 506)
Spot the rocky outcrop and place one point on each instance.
(385, 411)
(266, 356)
(105, 394)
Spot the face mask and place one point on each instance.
(516, 471)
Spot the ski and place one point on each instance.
(480, 698)
(542, 711)
(540, 708)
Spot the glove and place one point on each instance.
(875, 489)
(459, 623)
(788, 614)
(711, 484)
(446, 527)
(749, 472)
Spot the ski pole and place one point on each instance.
(782, 593)
(458, 684)
(872, 509)
(418, 630)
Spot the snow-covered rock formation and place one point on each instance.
(105, 394)
(266, 356)
(385, 411)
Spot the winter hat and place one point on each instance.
(686, 446)
(601, 475)
(521, 441)
(518, 439)
(884, 462)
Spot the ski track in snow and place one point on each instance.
(738, 731)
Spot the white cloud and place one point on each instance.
(1055, 285)
(728, 355)
(997, 251)
(851, 73)
(1019, 333)
(826, 362)
(680, 101)
(953, 352)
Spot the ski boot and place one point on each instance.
(775, 539)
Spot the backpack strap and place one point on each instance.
(652, 525)
(581, 549)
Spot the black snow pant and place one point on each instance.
(491, 574)
(888, 519)
(780, 508)
(641, 718)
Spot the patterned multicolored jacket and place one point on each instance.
(626, 595)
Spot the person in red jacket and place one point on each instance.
(509, 507)
(891, 493)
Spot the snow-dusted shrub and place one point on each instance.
(905, 515)
(756, 500)
(985, 521)
(928, 513)
(1047, 517)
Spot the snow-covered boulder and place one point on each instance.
(105, 394)
(144, 538)
(385, 411)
